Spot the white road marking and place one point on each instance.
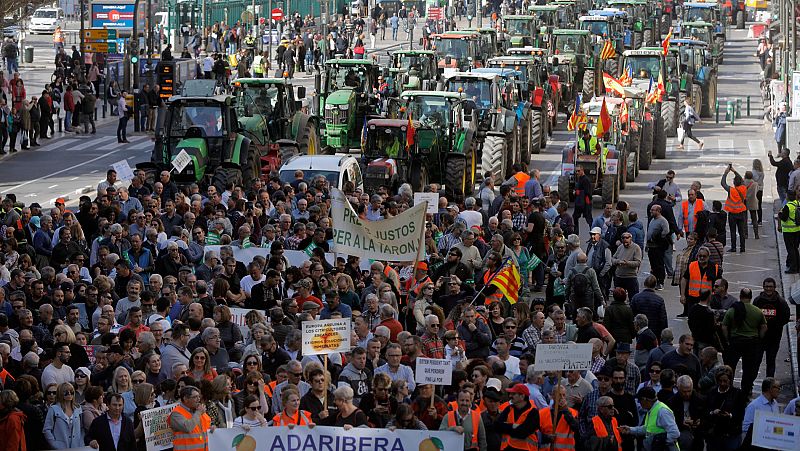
(72, 179)
(52, 186)
(96, 170)
(14, 188)
(756, 147)
(726, 147)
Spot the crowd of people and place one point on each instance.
(120, 306)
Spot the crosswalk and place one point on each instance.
(719, 148)
(93, 142)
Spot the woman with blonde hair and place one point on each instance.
(25, 263)
(291, 415)
(77, 235)
(62, 425)
(200, 365)
(78, 357)
(144, 395)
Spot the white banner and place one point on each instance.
(302, 438)
(433, 371)
(326, 335)
(397, 239)
(561, 357)
(776, 431)
(431, 198)
(157, 434)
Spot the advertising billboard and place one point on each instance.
(117, 15)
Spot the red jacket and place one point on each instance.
(69, 101)
(11, 429)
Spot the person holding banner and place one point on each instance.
(567, 427)
(466, 421)
(189, 422)
(291, 415)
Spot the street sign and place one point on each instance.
(100, 47)
(99, 34)
(436, 13)
(277, 14)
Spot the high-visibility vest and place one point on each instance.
(698, 207)
(58, 37)
(476, 418)
(592, 150)
(301, 418)
(452, 406)
(790, 225)
(529, 443)
(698, 282)
(414, 286)
(269, 389)
(601, 431)
(190, 441)
(564, 437)
(735, 201)
(522, 178)
(650, 426)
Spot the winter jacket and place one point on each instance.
(12, 431)
(60, 434)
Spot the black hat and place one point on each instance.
(647, 393)
(492, 394)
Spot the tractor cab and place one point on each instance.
(458, 51)
(567, 13)
(645, 66)
(703, 12)
(347, 98)
(698, 73)
(492, 42)
(520, 30)
(414, 69)
(390, 153)
(573, 42)
(480, 90)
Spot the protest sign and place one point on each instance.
(181, 161)
(90, 353)
(433, 371)
(776, 431)
(326, 336)
(238, 318)
(431, 198)
(396, 239)
(333, 438)
(561, 357)
(157, 434)
(124, 171)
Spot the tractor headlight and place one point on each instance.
(343, 107)
(330, 107)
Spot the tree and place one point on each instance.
(13, 11)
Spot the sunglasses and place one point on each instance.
(252, 408)
(51, 393)
(138, 381)
(252, 382)
(296, 374)
(252, 363)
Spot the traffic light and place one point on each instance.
(134, 59)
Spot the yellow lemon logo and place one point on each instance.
(244, 443)
(431, 444)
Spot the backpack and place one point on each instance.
(581, 293)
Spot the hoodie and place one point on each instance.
(356, 379)
(636, 230)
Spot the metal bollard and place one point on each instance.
(748, 106)
(730, 112)
(738, 108)
(716, 110)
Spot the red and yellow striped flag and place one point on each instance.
(665, 42)
(508, 282)
(608, 52)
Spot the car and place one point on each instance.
(46, 20)
(11, 31)
(337, 169)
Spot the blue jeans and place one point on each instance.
(68, 121)
(782, 195)
(12, 65)
(143, 117)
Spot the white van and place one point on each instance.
(46, 20)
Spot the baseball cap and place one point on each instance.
(519, 388)
(60, 200)
(422, 265)
(494, 383)
(596, 230)
(36, 221)
(453, 207)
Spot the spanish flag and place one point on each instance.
(604, 121)
(409, 133)
(665, 42)
(608, 52)
(573, 119)
(507, 280)
(613, 85)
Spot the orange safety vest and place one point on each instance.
(452, 406)
(698, 207)
(414, 287)
(58, 37)
(736, 205)
(269, 389)
(476, 418)
(530, 443)
(195, 440)
(698, 282)
(301, 418)
(564, 436)
(601, 431)
(522, 179)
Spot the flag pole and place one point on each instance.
(503, 265)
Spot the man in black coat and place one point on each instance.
(99, 435)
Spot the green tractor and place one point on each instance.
(567, 13)
(644, 20)
(271, 104)
(202, 136)
(638, 144)
(568, 87)
(520, 30)
(605, 28)
(606, 170)
(414, 70)
(574, 46)
(705, 32)
(492, 42)
(498, 126)
(445, 140)
(698, 79)
(348, 100)
(459, 50)
(647, 67)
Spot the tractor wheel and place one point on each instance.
(647, 37)
(740, 20)
(224, 177)
(622, 164)
(612, 67)
(309, 141)
(697, 98)
(636, 40)
(470, 170)
(513, 152)
(494, 149)
(681, 97)
(659, 139)
(563, 188)
(630, 167)
(609, 189)
(419, 177)
(251, 171)
(588, 84)
(669, 118)
(287, 152)
(646, 147)
(719, 43)
(537, 136)
(709, 93)
(666, 22)
(455, 174)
